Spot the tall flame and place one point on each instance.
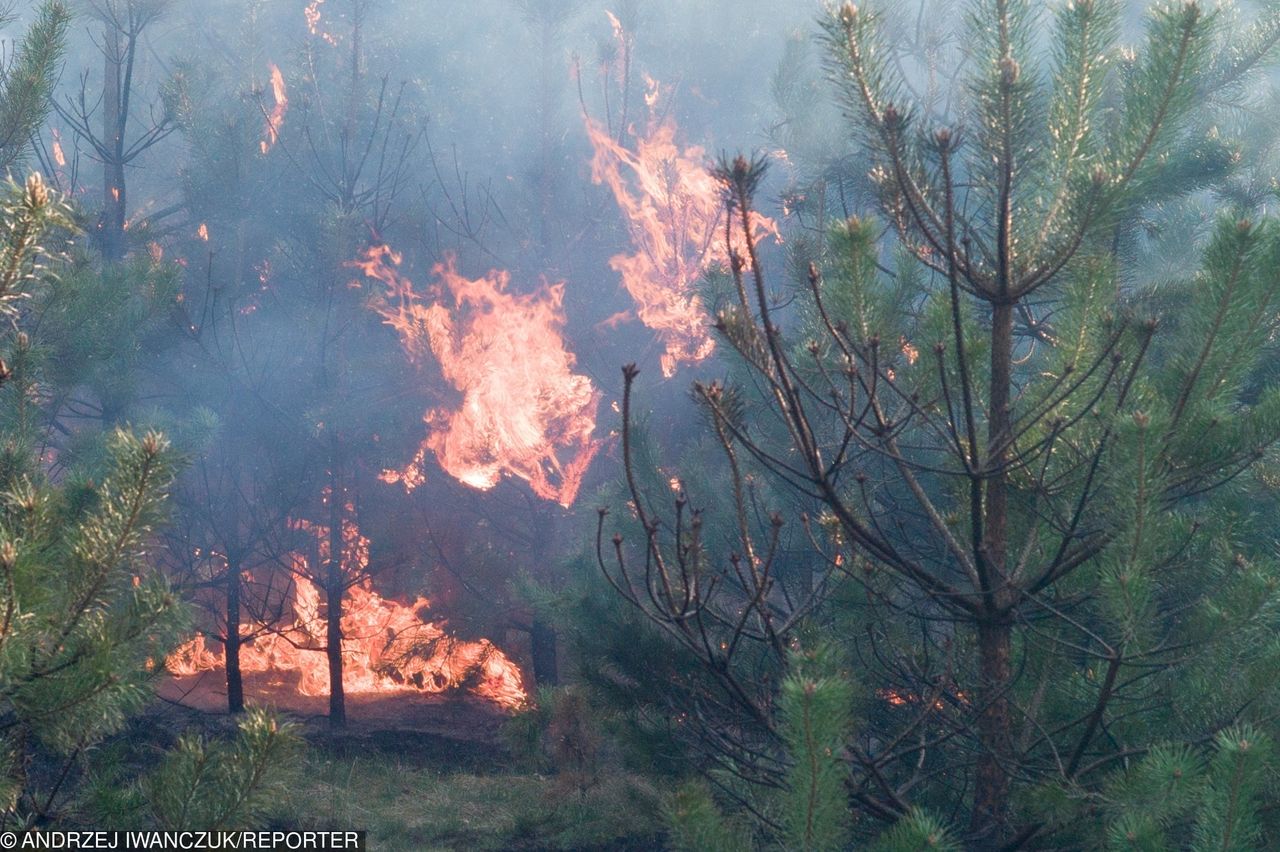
(387, 647)
(275, 119)
(675, 218)
(524, 411)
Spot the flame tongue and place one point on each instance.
(312, 14)
(674, 214)
(524, 411)
(275, 119)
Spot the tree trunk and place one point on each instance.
(542, 635)
(546, 97)
(999, 429)
(113, 182)
(990, 814)
(542, 641)
(335, 589)
(991, 785)
(235, 682)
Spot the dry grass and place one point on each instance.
(415, 807)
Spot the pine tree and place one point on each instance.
(1028, 480)
(106, 125)
(26, 83)
(85, 614)
(84, 618)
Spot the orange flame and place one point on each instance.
(280, 97)
(619, 33)
(675, 218)
(313, 15)
(387, 647)
(524, 412)
(58, 156)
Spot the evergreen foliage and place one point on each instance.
(1025, 480)
(85, 615)
(221, 786)
(815, 705)
(26, 82)
(697, 823)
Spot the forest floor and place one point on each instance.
(430, 772)
(424, 800)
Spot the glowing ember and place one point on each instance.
(313, 16)
(387, 647)
(910, 350)
(275, 119)
(58, 156)
(902, 699)
(524, 412)
(652, 91)
(675, 216)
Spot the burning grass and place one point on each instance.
(388, 648)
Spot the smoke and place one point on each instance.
(268, 145)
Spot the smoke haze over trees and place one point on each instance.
(934, 506)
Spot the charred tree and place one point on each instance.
(231, 642)
(542, 642)
(114, 190)
(335, 586)
(114, 145)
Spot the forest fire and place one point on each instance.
(674, 212)
(610, 516)
(275, 119)
(387, 647)
(524, 412)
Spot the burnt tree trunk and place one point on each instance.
(546, 98)
(542, 634)
(990, 815)
(111, 227)
(335, 589)
(231, 646)
(542, 642)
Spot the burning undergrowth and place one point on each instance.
(388, 647)
(505, 396)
